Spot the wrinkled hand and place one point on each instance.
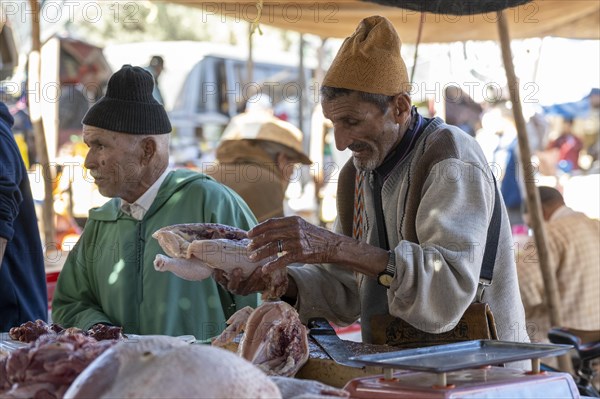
(235, 283)
(301, 242)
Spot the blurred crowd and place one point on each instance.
(563, 144)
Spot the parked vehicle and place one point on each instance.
(205, 84)
(218, 88)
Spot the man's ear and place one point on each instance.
(285, 164)
(281, 159)
(402, 108)
(149, 149)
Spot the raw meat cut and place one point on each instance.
(196, 249)
(274, 338)
(32, 330)
(47, 367)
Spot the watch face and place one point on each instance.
(385, 279)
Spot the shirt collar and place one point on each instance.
(138, 209)
(404, 147)
(563, 211)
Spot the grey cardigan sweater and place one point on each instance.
(437, 206)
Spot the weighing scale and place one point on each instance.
(470, 369)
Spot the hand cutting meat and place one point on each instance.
(195, 250)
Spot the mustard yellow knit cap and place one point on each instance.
(369, 60)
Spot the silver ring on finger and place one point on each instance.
(279, 248)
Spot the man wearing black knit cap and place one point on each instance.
(109, 276)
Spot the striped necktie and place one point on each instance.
(359, 218)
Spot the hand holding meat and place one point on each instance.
(198, 249)
(294, 240)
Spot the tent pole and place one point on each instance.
(317, 127)
(253, 27)
(421, 23)
(302, 83)
(533, 199)
(41, 149)
(250, 60)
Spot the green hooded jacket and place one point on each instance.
(109, 275)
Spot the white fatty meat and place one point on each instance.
(167, 367)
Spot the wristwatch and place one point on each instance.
(385, 277)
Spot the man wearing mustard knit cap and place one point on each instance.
(414, 203)
(109, 276)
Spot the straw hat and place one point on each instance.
(262, 127)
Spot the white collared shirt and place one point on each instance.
(138, 209)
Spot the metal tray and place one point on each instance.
(8, 345)
(461, 355)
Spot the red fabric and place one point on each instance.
(568, 146)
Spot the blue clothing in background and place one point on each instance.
(509, 188)
(23, 294)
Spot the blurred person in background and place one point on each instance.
(568, 146)
(256, 157)
(22, 128)
(594, 147)
(109, 277)
(75, 99)
(462, 111)
(510, 187)
(155, 67)
(573, 242)
(23, 295)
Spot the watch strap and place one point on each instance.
(391, 265)
(387, 275)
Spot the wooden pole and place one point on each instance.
(250, 60)
(414, 68)
(533, 198)
(254, 26)
(317, 126)
(302, 83)
(34, 99)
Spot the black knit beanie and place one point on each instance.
(128, 106)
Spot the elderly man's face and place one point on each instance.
(361, 126)
(115, 162)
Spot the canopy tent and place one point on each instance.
(575, 109)
(578, 19)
